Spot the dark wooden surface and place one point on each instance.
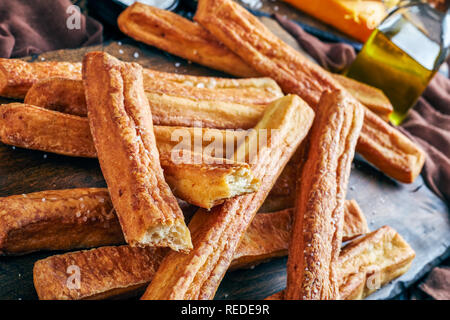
(413, 210)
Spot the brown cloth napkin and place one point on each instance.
(437, 284)
(428, 124)
(35, 26)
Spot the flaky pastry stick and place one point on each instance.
(17, 76)
(245, 35)
(216, 234)
(121, 125)
(67, 96)
(319, 204)
(170, 32)
(369, 262)
(84, 218)
(205, 181)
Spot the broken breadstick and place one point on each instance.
(121, 125)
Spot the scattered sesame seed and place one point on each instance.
(42, 59)
(43, 199)
(200, 85)
(78, 214)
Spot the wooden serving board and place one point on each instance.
(413, 210)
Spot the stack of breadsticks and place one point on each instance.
(306, 125)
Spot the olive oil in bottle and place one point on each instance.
(402, 56)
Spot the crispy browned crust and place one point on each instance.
(369, 262)
(121, 124)
(59, 94)
(17, 76)
(371, 97)
(321, 189)
(57, 220)
(245, 35)
(355, 223)
(389, 150)
(36, 128)
(216, 234)
(179, 36)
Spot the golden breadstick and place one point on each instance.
(121, 124)
(177, 35)
(371, 97)
(67, 96)
(58, 220)
(321, 189)
(368, 263)
(216, 234)
(17, 76)
(245, 35)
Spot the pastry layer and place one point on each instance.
(216, 234)
(121, 125)
(319, 208)
(17, 76)
(245, 35)
(179, 36)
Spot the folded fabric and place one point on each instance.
(32, 27)
(428, 124)
(437, 284)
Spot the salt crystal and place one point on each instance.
(177, 64)
(42, 59)
(43, 199)
(200, 85)
(120, 51)
(45, 156)
(136, 55)
(119, 43)
(78, 214)
(14, 148)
